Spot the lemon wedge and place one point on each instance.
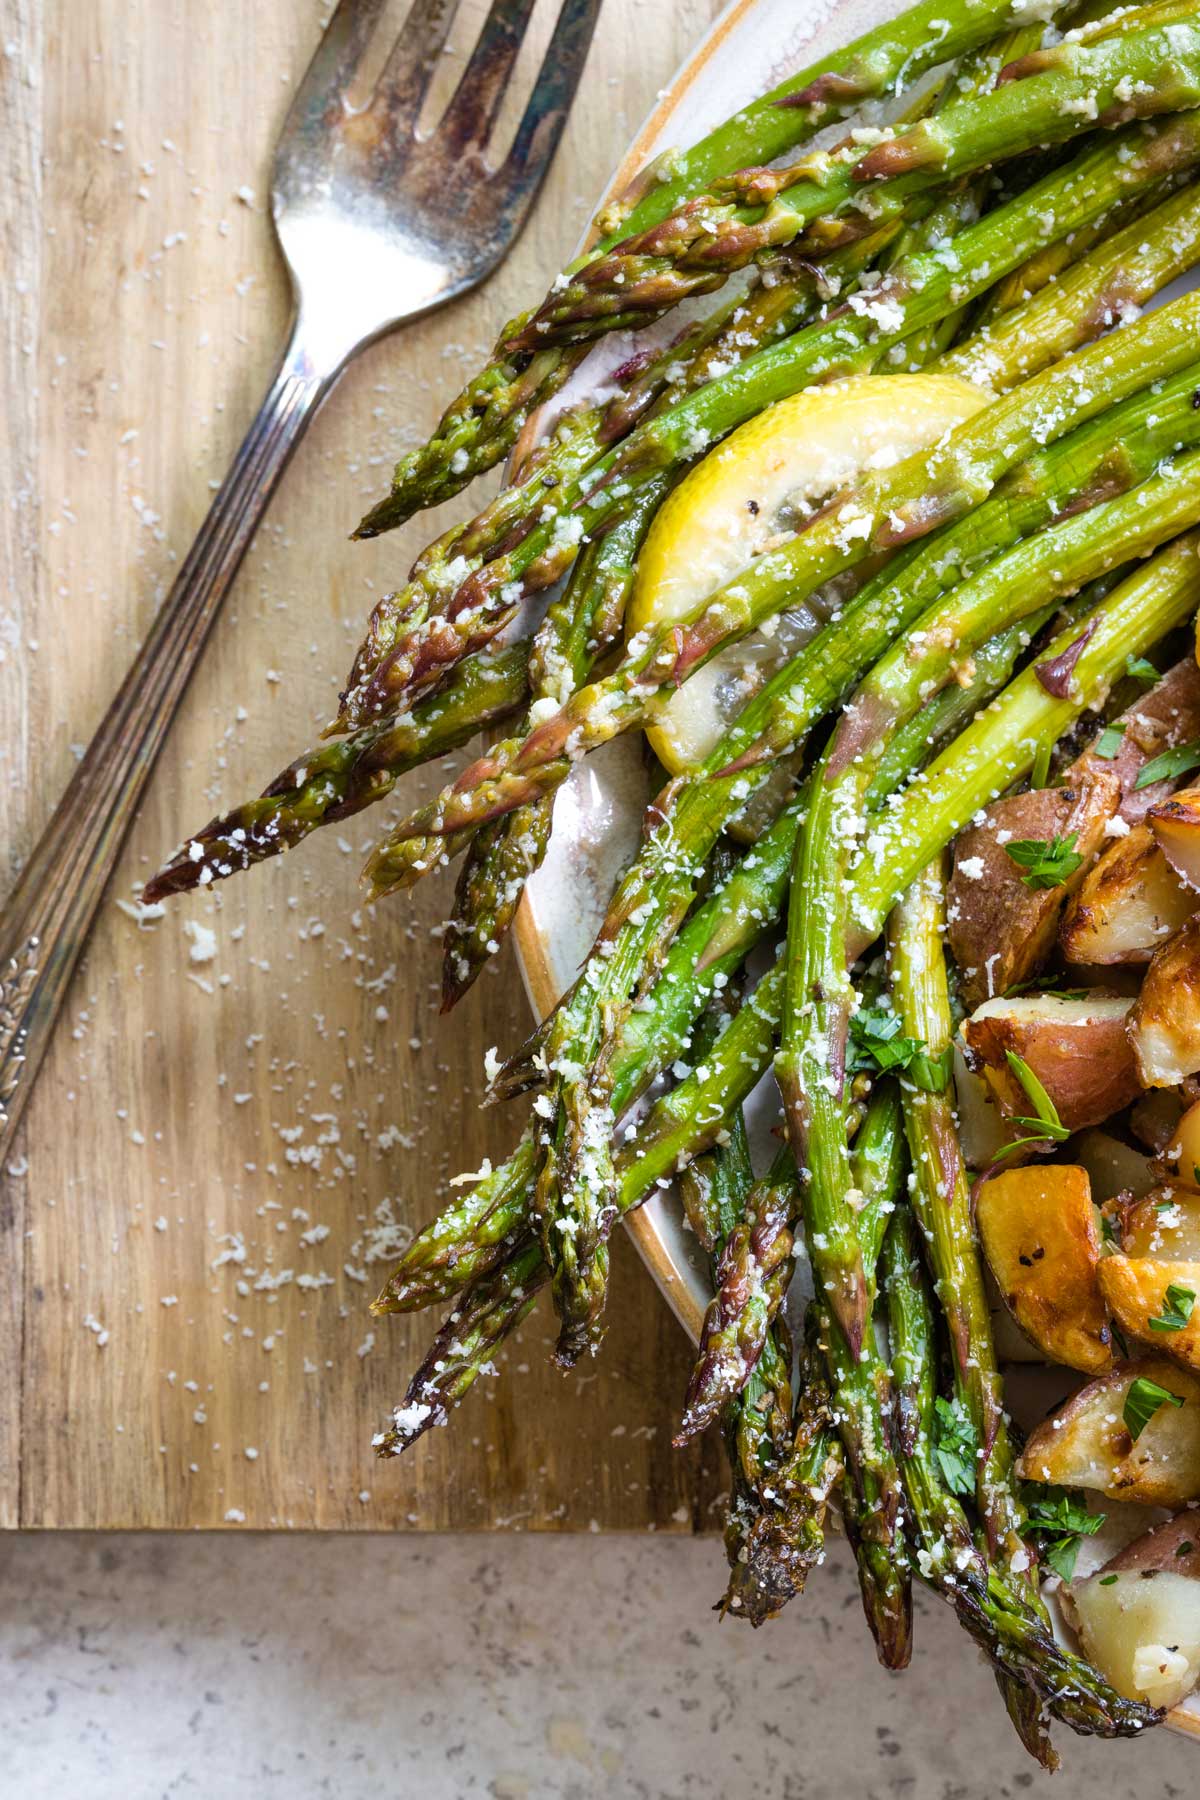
(749, 494)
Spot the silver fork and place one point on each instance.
(377, 227)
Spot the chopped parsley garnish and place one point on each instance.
(1047, 864)
(1143, 1401)
(877, 1044)
(955, 1446)
(1170, 764)
(1108, 1230)
(1141, 669)
(1058, 1520)
(931, 1073)
(1107, 1580)
(1109, 742)
(1178, 1302)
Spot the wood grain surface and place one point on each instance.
(223, 1149)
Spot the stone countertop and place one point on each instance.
(137, 1666)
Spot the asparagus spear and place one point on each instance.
(1016, 1639)
(1047, 97)
(337, 780)
(751, 1275)
(1117, 279)
(756, 1423)
(406, 649)
(941, 1204)
(576, 631)
(482, 422)
(884, 509)
(787, 1536)
(941, 1201)
(683, 1124)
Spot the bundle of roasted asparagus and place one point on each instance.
(976, 594)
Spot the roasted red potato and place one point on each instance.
(1039, 1235)
(1078, 1049)
(1164, 1021)
(1174, 1545)
(1157, 1302)
(1088, 1443)
(1128, 904)
(1176, 827)
(1001, 931)
(1164, 718)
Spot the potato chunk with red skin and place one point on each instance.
(1164, 1021)
(1176, 827)
(1136, 1288)
(1127, 905)
(1039, 1235)
(1087, 1443)
(1078, 1049)
(1174, 1545)
(1002, 931)
(1162, 719)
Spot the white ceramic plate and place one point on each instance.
(597, 820)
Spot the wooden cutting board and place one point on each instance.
(251, 1100)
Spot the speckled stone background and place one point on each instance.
(133, 1667)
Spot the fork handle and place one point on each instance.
(45, 922)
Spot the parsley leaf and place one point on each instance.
(876, 1044)
(1143, 1401)
(955, 1446)
(1046, 1123)
(1178, 1302)
(1141, 669)
(1048, 864)
(1170, 764)
(931, 1073)
(1058, 1520)
(1109, 742)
